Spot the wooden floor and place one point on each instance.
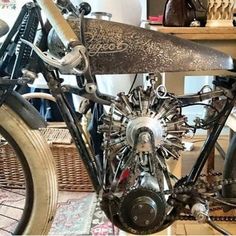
(194, 228)
(191, 227)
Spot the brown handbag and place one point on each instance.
(180, 13)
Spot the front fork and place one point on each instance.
(75, 128)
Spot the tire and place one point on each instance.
(38, 166)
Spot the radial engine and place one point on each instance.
(141, 131)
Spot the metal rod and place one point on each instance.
(7, 190)
(74, 127)
(5, 205)
(220, 150)
(209, 144)
(217, 227)
(8, 217)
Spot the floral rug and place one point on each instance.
(78, 213)
(7, 4)
(81, 215)
(100, 225)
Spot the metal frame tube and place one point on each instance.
(210, 143)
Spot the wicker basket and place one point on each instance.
(71, 172)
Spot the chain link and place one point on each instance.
(208, 187)
(187, 217)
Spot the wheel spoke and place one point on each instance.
(18, 208)
(7, 190)
(8, 217)
(1, 229)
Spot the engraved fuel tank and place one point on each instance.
(116, 48)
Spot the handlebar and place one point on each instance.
(61, 26)
(76, 51)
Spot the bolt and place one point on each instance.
(147, 222)
(140, 206)
(174, 195)
(201, 218)
(172, 202)
(64, 89)
(145, 138)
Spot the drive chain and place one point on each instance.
(187, 217)
(202, 187)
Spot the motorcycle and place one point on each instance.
(140, 133)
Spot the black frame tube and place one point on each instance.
(210, 143)
(74, 126)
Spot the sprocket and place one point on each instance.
(142, 210)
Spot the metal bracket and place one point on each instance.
(66, 64)
(21, 81)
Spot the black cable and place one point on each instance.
(201, 104)
(82, 27)
(135, 78)
(205, 126)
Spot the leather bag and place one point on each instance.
(180, 13)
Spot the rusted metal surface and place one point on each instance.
(116, 48)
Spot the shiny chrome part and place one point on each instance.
(139, 132)
(148, 181)
(101, 15)
(200, 212)
(152, 124)
(90, 88)
(146, 123)
(67, 64)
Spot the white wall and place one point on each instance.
(194, 84)
(9, 15)
(142, 2)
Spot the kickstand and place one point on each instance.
(216, 227)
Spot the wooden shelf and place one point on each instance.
(198, 33)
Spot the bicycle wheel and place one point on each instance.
(28, 186)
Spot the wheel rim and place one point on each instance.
(16, 202)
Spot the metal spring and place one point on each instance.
(29, 37)
(21, 32)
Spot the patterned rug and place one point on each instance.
(77, 214)
(7, 4)
(100, 225)
(81, 215)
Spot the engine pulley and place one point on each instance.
(142, 210)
